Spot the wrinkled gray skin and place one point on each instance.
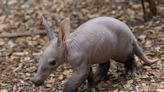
(94, 42)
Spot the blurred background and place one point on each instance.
(22, 39)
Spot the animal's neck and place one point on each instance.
(71, 47)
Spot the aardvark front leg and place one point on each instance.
(79, 75)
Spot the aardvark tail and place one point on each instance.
(138, 51)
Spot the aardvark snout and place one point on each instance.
(37, 81)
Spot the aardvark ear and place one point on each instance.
(64, 31)
(50, 33)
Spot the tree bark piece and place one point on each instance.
(152, 9)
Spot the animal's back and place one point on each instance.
(104, 38)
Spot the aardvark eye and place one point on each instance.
(52, 62)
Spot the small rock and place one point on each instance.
(61, 77)
(147, 67)
(142, 37)
(11, 44)
(48, 85)
(130, 81)
(12, 2)
(18, 54)
(2, 27)
(31, 69)
(4, 90)
(2, 43)
(116, 90)
(67, 73)
(27, 74)
(26, 58)
(127, 86)
(160, 90)
(153, 80)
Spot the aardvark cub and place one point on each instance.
(97, 41)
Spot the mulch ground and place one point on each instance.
(19, 52)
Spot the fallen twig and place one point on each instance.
(22, 34)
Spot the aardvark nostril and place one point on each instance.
(36, 81)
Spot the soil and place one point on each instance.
(19, 54)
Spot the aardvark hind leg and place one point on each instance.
(102, 71)
(130, 67)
